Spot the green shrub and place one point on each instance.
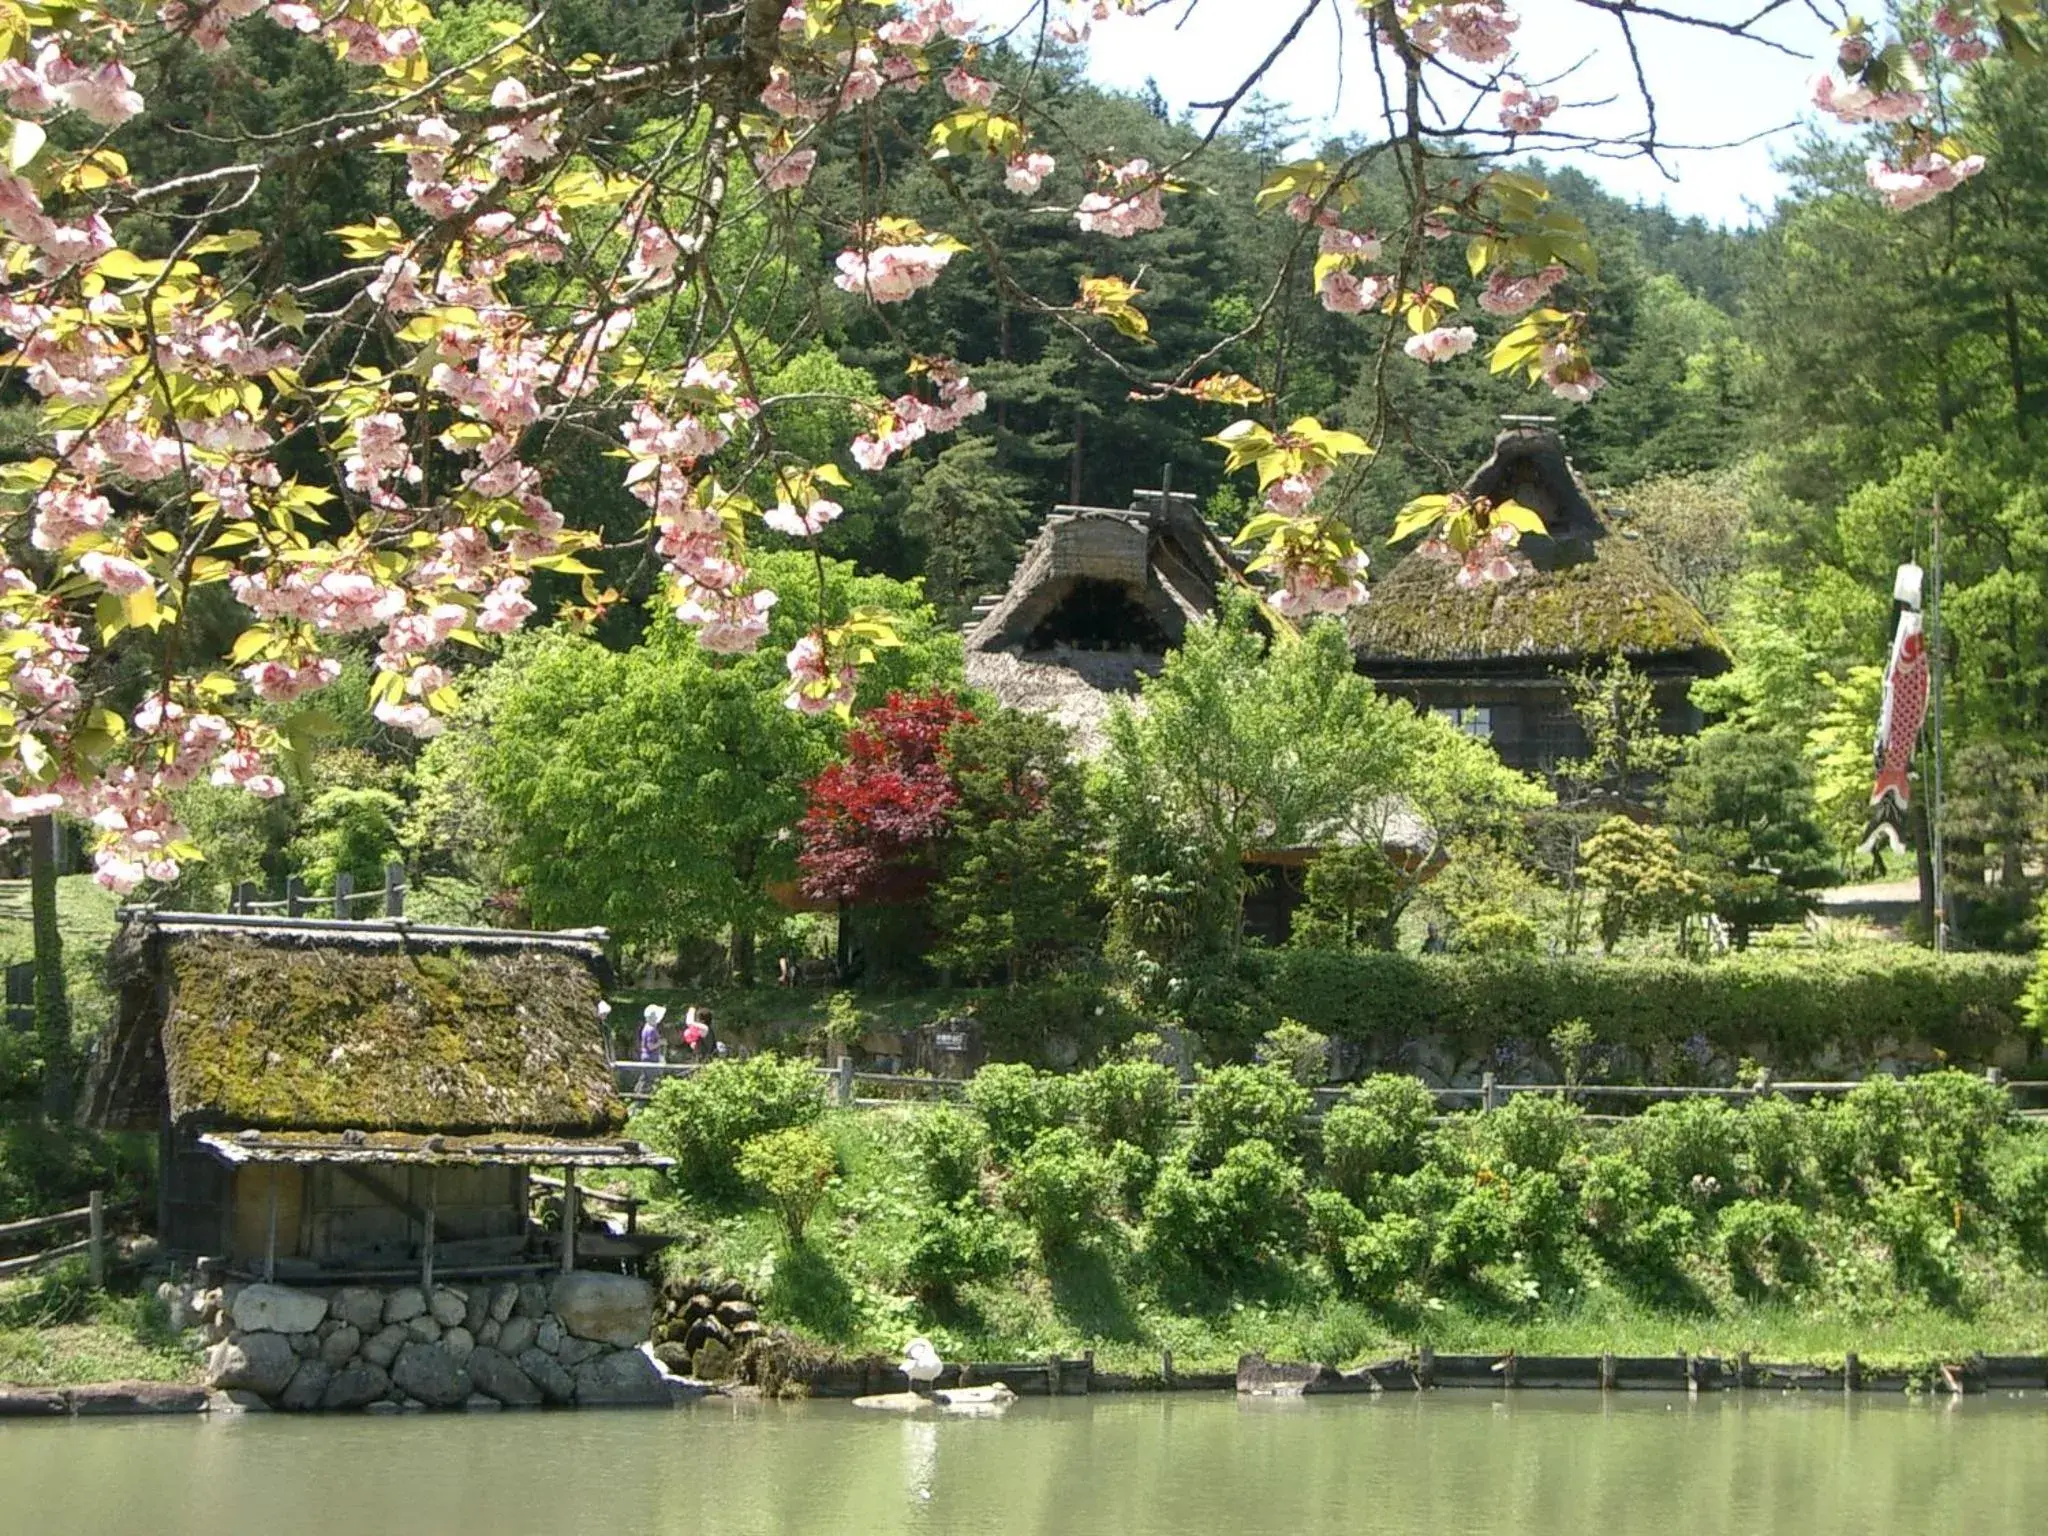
(2019, 1184)
(1136, 1102)
(1386, 1255)
(1541, 1215)
(46, 1168)
(1497, 933)
(1765, 1243)
(1478, 1230)
(1380, 1128)
(791, 1169)
(704, 1119)
(1532, 1131)
(1777, 1139)
(1916, 1222)
(1223, 1221)
(1303, 1053)
(1938, 1127)
(1018, 1024)
(1957, 1115)
(1690, 1149)
(1619, 1207)
(1787, 1007)
(1234, 1104)
(953, 1245)
(948, 1146)
(1332, 1222)
(1063, 1188)
(1018, 1104)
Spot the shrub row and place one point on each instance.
(1785, 1010)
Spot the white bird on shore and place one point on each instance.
(921, 1363)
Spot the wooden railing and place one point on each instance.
(340, 903)
(92, 1215)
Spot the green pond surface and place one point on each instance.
(1535, 1465)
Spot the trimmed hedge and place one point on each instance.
(1785, 1010)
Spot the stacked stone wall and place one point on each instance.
(572, 1339)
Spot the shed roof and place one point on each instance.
(1579, 593)
(357, 1027)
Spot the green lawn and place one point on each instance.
(85, 920)
(56, 1333)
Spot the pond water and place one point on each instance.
(1444, 1463)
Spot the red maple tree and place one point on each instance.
(872, 824)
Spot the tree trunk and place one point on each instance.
(1074, 467)
(52, 1007)
(741, 954)
(1923, 858)
(2015, 364)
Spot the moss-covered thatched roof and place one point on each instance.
(356, 1029)
(1586, 592)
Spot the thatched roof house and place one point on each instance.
(1492, 658)
(1098, 599)
(333, 1095)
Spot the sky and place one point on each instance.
(1709, 88)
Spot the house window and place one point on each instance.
(1475, 720)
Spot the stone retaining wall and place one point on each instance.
(575, 1339)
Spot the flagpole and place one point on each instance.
(1934, 798)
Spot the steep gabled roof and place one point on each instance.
(362, 1027)
(1581, 592)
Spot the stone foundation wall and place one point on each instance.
(573, 1339)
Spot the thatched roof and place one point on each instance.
(1115, 579)
(1579, 594)
(354, 1027)
(1078, 689)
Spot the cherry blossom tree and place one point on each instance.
(581, 252)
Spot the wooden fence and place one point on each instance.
(92, 1215)
(340, 902)
(853, 1089)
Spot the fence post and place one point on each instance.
(96, 1253)
(394, 890)
(1995, 1076)
(244, 898)
(294, 897)
(842, 1083)
(344, 887)
(1489, 1099)
(569, 1202)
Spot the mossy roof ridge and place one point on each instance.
(1611, 601)
(297, 1036)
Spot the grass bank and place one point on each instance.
(1905, 1225)
(57, 1332)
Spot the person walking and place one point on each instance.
(651, 1048)
(694, 1030)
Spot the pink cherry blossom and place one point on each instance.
(1506, 294)
(1441, 344)
(118, 574)
(505, 607)
(66, 509)
(1291, 494)
(1027, 172)
(1921, 179)
(1478, 31)
(104, 92)
(1522, 110)
(1131, 209)
(1337, 241)
(1950, 22)
(784, 518)
(969, 90)
(815, 685)
(730, 625)
(1352, 293)
(1308, 589)
(786, 172)
(889, 274)
(1860, 104)
(1968, 50)
(414, 719)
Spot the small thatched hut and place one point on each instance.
(340, 1097)
(1098, 599)
(1493, 659)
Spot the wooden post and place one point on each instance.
(344, 887)
(1489, 1100)
(244, 898)
(569, 1200)
(1852, 1372)
(427, 1244)
(394, 890)
(270, 1238)
(295, 897)
(1994, 1076)
(1607, 1372)
(96, 1255)
(842, 1084)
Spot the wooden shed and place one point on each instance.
(355, 1098)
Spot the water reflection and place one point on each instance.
(1542, 1465)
